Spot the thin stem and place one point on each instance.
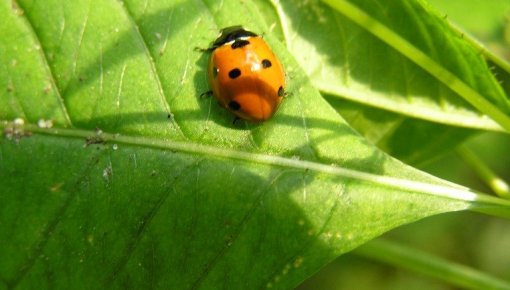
(408, 258)
(497, 184)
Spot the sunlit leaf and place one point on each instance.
(117, 174)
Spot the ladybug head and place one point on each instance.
(231, 33)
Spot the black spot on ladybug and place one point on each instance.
(215, 71)
(281, 91)
(234, 73)
(239, 43)
(233, 105)
(266, 63)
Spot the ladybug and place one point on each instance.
(245, 75)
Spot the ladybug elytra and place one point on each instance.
(245, 75)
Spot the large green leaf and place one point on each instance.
(388, 95)
(137, 182)
(491, 28)
(397, 56)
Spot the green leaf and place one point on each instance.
(491, 28)
(395, 83)
(490, 16)
(117, 174)
(398, 56)
(405, 138)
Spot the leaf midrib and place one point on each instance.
(449, 191)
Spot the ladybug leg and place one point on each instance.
(201, 49)
(206, 94)
(282, 92)
(236, 120)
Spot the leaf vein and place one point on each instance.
(143, 225)
(51, 75)
(46, 233)
(153, 68)
(262, 192)
(432, 187)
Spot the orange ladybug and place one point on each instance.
(245, 75)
